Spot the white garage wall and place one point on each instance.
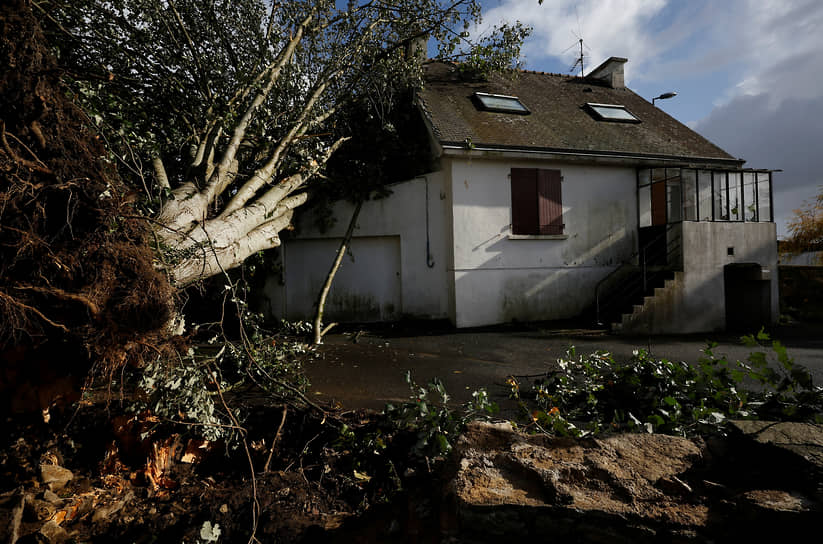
(402, 215)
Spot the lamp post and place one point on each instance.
(664, 96)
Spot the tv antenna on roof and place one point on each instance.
(581, 58)
(578, 35)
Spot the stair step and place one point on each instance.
(630, 299)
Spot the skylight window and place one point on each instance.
(612, 112)
(501, 103)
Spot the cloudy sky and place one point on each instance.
(748, 73)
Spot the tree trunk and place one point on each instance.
(319, 332)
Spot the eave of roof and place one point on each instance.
(460, 148)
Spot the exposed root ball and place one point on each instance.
(75, 266)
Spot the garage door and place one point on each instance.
(366, 287)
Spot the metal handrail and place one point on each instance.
(642, 253)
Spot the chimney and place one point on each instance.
(610, 72)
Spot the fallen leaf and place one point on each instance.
(59, 517)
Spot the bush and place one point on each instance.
(594, 393)
(435, 423)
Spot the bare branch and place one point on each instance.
(222, 232)
(276, 193)
(218, 184)
(264, 174)
(261, 238)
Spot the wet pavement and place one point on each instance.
(365, 368)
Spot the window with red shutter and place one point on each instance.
(537, 204)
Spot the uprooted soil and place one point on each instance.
(94, 475)
(77, 283)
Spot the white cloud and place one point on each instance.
(765, 45)
(786, 51)
(608, 27)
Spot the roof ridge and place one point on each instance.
(556, 74)
(455, 63)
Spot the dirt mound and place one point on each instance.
(76, 277)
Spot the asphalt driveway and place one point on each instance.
(365, 368)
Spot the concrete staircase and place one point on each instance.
(654, 306)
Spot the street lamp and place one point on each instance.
(664, 96)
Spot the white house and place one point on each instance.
(553, 196)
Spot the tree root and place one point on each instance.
(64, 295)
(11, 300)
(41, 167)
(276, 438)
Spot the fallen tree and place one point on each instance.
(250, 92)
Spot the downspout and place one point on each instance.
(429, 258)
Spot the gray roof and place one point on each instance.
(559, 120)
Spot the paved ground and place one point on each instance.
(365, 369)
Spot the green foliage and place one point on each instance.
(411, 436)
(596, 393)
(493, 53)
(184, 392)
(295, 328)
(436, 424)
(194, 389)
(806, 228)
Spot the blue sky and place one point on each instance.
(748, 73)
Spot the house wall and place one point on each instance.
(696, 300)
(360, 291)
(500, 278)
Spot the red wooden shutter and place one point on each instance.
(550, 202)
(525, 218)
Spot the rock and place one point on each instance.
(103, 512)
(511, 484)
(55, 476)
(52, 497)
(53, 533)
(780, 455)
(774, 515)
(776, 501)
(803, 439)
(749, 486)
(15, 516)
(39, 510)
